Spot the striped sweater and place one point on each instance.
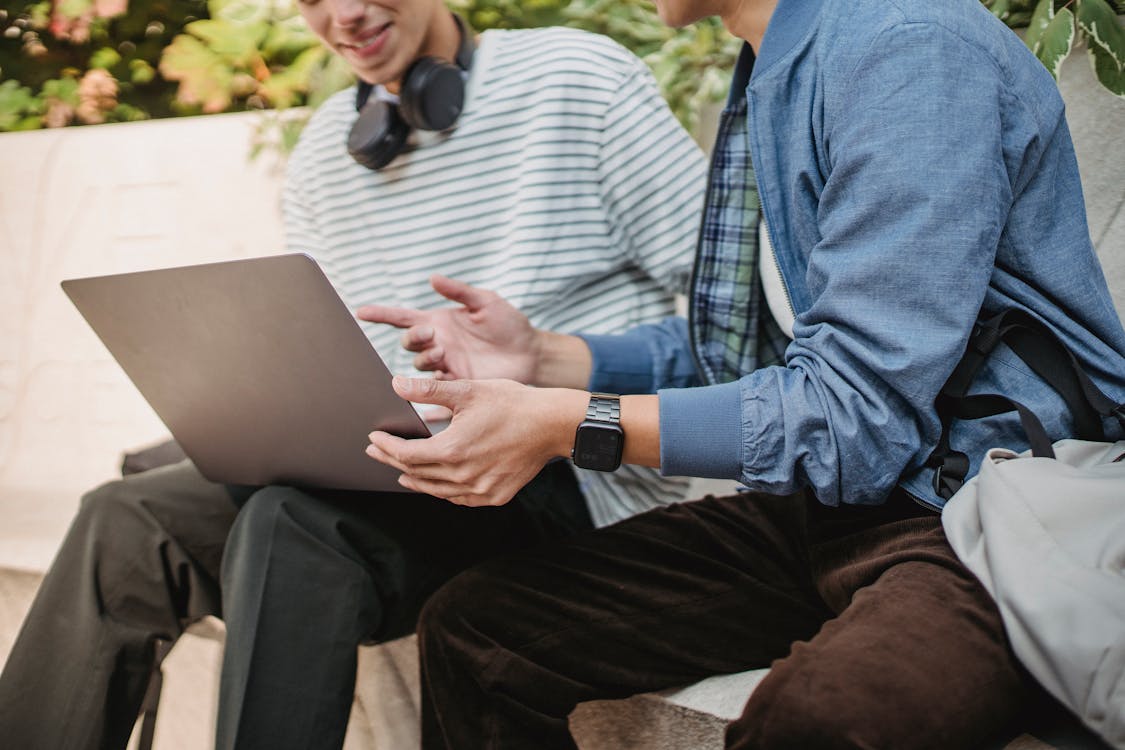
(566, 186)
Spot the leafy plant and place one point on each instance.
(1053, 25)
(86, 61)
(692, 65)
(68, 62)
(250, 54)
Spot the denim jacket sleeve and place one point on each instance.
(918, 178)
(643, 359)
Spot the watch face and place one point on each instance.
(598, 446)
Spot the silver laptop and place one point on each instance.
(256, 366)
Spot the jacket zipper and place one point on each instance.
(773, 252)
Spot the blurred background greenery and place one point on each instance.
(74, 62)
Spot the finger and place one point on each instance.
(454, 493)
(451, 393)
(431, 471)
(417, 338)
(436, 487)
(430, 359)
(471, 297)
(433, 413)
(399, 317)
(404, 455)
(380, 454)
(410, 483)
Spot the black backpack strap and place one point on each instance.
(1047, 356)
(950, 466)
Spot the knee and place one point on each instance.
(453, 618)
(286, 552)
(117, 545)
(259, 527)
(260, 515)
(285, 531)
(112, 508)
(795, 715)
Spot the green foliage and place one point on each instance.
(100, 56)
(510, 14)
(1053, 25)
(68, 62)
(692, 65)
(19, 108)
(175, 57)
(249, 54)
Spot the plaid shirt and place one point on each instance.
(733, 332)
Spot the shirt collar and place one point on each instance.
(791, 20)
(741, 78)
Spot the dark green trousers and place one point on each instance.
(299, 578)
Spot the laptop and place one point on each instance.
(256, 366)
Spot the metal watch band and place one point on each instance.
(604, 407)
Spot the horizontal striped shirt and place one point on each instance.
(566, 186)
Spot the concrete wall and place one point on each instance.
(1097, 124)
(95, 200)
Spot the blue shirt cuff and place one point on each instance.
(621, 363)
(701, 431)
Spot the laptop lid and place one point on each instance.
(256, 366)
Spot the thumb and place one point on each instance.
(449, 393)
(471, 297)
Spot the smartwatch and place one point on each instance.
(599, 441)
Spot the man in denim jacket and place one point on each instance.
(914, 173)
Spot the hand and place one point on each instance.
(486, 337)
(501, 435)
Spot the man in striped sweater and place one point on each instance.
(565, 185)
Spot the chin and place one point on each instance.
(672, 17)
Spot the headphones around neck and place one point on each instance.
(431, 96)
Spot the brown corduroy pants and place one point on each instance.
(877, 636)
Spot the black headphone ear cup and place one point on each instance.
(378, 135)
(432, 94)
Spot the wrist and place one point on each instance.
(568, 411)
(561, 361)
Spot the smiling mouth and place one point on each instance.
(368, 43)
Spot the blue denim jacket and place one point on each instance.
(916, 173)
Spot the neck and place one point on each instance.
(748, 19)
